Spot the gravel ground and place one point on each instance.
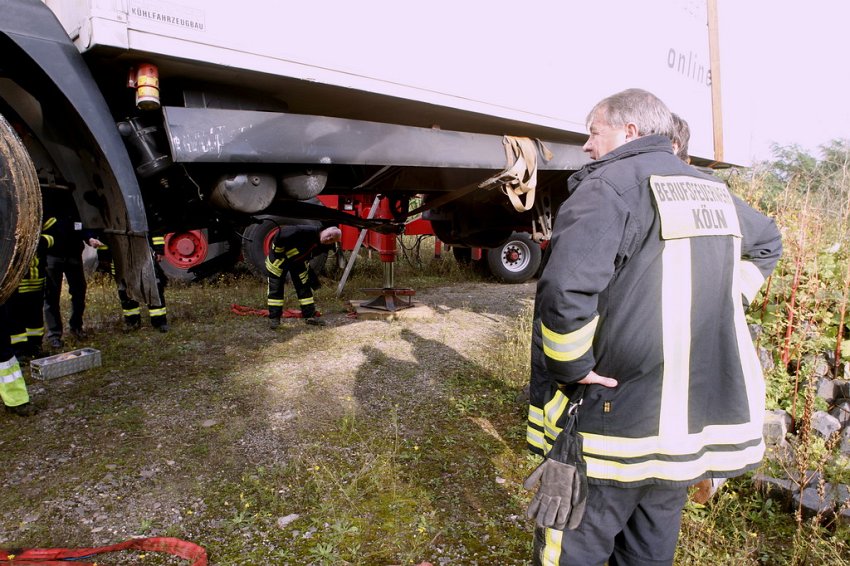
(119, 451)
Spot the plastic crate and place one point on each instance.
(66, 363)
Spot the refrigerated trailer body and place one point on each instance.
(259, 107)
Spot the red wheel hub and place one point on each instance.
(186, 249)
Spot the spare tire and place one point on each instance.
(20, 203)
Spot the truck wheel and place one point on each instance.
(515, 261)
(192, 256)
(257, 240)
(20, 206)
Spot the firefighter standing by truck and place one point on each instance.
(290, 252)
(26, 305)
(642, 301)
(64, 260)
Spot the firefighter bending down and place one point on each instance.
(291, 250)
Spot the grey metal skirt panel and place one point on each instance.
(215, 135)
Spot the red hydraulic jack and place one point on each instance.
(388, 297)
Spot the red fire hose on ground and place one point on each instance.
(62, 556)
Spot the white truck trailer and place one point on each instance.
(165, 115)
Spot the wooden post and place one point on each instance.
(714, 55)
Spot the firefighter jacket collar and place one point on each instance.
(644, 144)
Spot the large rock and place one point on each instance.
(841, 411)
(820, 367)
(776, 425)
(766, 359)
(811, 503)
(824, 424)
(827, 389)
(775, 488)
(834, 500)
(844, 446)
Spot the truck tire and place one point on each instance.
(193, 255)
(20, 205)
(515, 261)
(257, 239)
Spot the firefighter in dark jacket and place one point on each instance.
(65, 261)
(26, 314)
(652, 263)
(291, 250)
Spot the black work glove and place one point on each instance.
(561, 498)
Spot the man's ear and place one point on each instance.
(631, 131)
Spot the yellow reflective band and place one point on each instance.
(49, 239)
(131, 312)
(308, 301)
(275, 302)
(292, 253)
(304, 277)
(35, 331)
(535, 415)
(570, 346)
(10, 371)
(157, 312)
(158, 240)
(274, 266)
(552, 550)
(278, 250)
(18, 338)
(534, 437)
(680, 445)
(554, 409)
(751, 280)
(49, 223)
(674, 471)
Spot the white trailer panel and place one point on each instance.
(541, 63)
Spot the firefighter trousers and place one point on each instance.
(299, 272)
(72, 269)
(636, 526)
(131, 310)
(13, 389)
(26, 321)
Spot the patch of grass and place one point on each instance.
(740, 526)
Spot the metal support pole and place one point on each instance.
(356, 249)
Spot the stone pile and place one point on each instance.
(817, 496)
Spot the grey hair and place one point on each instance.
(681, 136)
(636, 106)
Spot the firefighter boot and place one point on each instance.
(274, 323)
(24, 410)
